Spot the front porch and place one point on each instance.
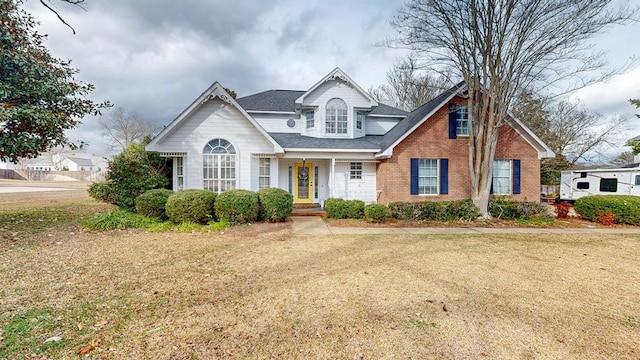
(312, 181)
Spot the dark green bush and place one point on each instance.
(275, 204)
(403, 210)
(427, 210)
(355, 209)
(152, 203)
(626, 208)
(99, 191)
(458, 210)
(131, 173)
(377, 213)
(434, 210)
(238, 206)
(195, 206)
(336, 208)
(502, 208)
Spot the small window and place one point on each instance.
(310, 115)
(462, 121)
(637, 179)
(264, 176)
(582, 185)
(583, 175)
(359, 121)
(180, 173)
(609, 185)
(355, 172)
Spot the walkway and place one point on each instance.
(316, 226)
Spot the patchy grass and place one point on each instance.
(262, 291)
(15, 224)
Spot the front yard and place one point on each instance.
(265, 292)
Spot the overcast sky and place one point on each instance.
(155, 57)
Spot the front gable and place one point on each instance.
(335, 107)
(441, 110)
(212, 111)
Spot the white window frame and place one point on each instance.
(462, 122)
(310, 119)
(355, 171)
(264, 173)
(219, 166)
(337, 117)
(502, 174)
(179, 161)
(360, 116)
(424, 177)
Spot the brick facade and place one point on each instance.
(431, 140)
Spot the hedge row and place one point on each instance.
(624, 208)
(430, 210)
(202, 206)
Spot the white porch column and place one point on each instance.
(333, 176)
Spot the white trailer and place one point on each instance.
(575, 184)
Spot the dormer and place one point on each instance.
(335, 107)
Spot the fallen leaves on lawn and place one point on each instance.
(87, 349)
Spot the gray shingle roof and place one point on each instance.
(271, 100)
(81, 161)
(417, 115)
(383, 109)
(297, 141)
(284, 101)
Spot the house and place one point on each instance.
(335, 140)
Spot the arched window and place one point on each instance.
(336, 119)
(219, 166)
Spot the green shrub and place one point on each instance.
(275, 204)
(625, 208)
(196, 206)
(505, 209)
(355, 209)
(131, 173)
(118, 219)
(152, 203)
(427, 210)
(377, 213)
(403, 210)
(336, 208)
(458, 210)
(99, 191)
(434, 210)
(238, 206)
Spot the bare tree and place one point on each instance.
(409, 86)
(49, 5)
(122, 128)
(499, 47)
(573, 132)
(624, 158)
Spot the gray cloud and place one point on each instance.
(155, 57)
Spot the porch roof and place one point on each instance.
(297, 141)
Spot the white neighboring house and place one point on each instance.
(68, 161)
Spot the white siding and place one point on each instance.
(216, 119)
(362, 189)
(380, 126)
(278, 122)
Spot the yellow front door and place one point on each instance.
(302, 183)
